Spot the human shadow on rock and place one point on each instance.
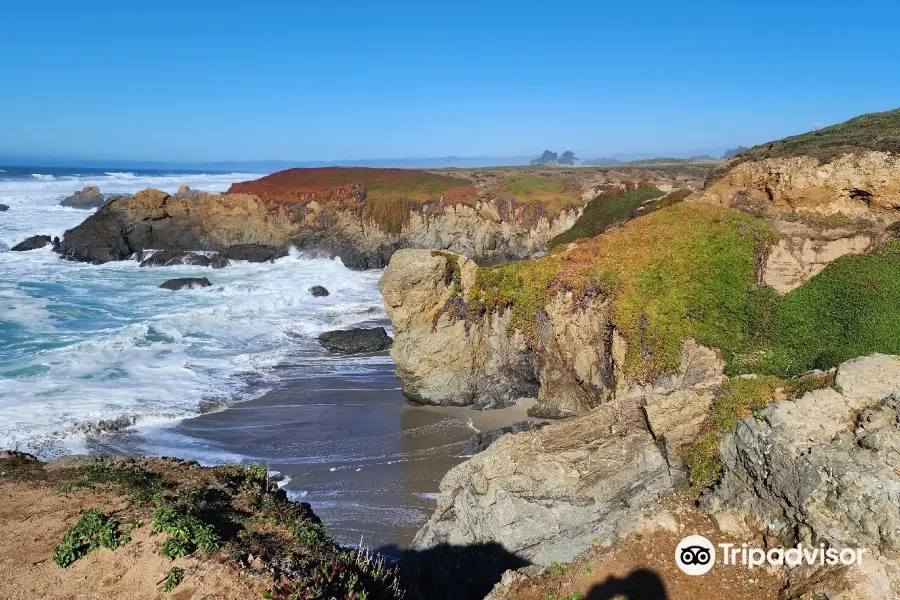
(448, 572)
(640, 584)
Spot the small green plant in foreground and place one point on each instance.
(173, 578)
(93, 530)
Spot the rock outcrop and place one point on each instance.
(89, 197)
(32, 243)
(3, 208)
(356, 341)
(169, 258)
(854, 183)
(446, 356)
(441, 358)
(548, 493)
(822, 469)
(186, 283)
(318, 291)
(335, 217)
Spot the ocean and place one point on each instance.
(98, 358)
(83, 344)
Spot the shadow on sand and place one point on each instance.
(453, 572)
(640, 584)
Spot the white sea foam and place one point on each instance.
(80, 344)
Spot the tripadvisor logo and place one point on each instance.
(696, 555)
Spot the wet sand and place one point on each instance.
(351, 445)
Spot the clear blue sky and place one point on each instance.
(301, 80)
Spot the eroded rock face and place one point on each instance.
(797, 259)
(821, 469)
(89, 197)
(546, 494)
(246, 227)
(440, 357)
(852, 184)
(444, 355)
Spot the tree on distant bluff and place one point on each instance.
(567, 158)
(547, 158)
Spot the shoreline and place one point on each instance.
(349, 443)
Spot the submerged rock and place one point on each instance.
(318, 291)
(186, 282)
(356, 341)
(89, 197)
(32, 243)
(168, 258)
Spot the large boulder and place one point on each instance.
(98, 239)
(186, 283)
(356, 341)
(318, 291)
(169, 258)
(32, 243)
(89, 197)
(822, 469)
(548, 493)
(3, 208)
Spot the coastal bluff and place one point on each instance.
(362, 215)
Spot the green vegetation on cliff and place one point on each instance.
(850, 309)
(685, 271)
(606, 210)
(549, 195)
(690, 271)
(873, 131)
(735, 400)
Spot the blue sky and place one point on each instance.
(298, 80)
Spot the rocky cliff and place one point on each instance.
(830, 192)
(361, 215)
(816, 469)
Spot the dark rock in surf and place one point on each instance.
(186, 282)
(169, 258)
(356, 341)
(483, 439)
(100, 238)
(3, 208)
(32, 243)
(253, 252)
(89, 197)
(318, 291)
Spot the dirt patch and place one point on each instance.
(92, 527)
(642, 567)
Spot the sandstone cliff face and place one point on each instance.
(152, 219)
(444, 355)
(852, 184)
(864, 187)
